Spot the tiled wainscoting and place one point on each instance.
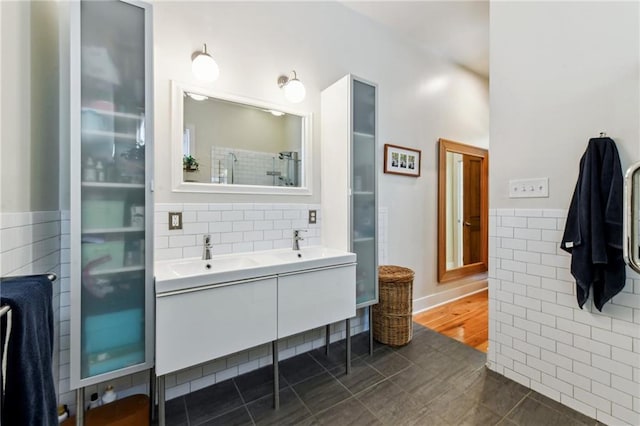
(586, 359)
(35, 242)
(30, 244)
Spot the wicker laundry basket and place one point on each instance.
(392, 320)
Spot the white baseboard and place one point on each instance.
(434, 300)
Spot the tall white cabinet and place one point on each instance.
(111, 211)
(349, 178)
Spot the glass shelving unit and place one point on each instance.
(111, 203)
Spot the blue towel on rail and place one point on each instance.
(30, 396)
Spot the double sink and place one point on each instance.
(182, 274)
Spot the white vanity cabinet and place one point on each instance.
(207, 309)
(311, 299)
(204, 323)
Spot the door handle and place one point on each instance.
(467, 224)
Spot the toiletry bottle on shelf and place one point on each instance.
(109, 395)
(95, 401)
(89, 171)
(100, 171)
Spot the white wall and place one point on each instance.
(421, 98)
(29, 93)
(560, 74)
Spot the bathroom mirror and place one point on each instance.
(225, 143)
(463, 210)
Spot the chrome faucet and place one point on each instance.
(297, 238)
(206, 247)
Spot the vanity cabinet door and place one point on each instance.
(315, 298)
(198, 325)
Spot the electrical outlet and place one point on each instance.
(529, 188)
(175, 221)
(312, 216)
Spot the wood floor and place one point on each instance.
(466, 320)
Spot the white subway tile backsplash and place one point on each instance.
(613, 339)
(593, 400)
(585, 359)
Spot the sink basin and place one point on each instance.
(197, 266)
(181, 274)
(304, 254)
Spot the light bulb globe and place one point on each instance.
(294, 91)
(204, 68)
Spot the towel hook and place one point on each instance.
(603, 134)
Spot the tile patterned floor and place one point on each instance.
(434, 380)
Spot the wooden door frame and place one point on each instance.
(444, 275)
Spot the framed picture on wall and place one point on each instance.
(401, 160)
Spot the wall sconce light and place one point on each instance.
(203, 66)
(293, 88)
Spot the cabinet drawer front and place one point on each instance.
(200, 326)
(313, 299)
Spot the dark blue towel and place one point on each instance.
(30, 396)
(593, 232)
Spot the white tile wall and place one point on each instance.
(251, 167)
(30, 244)
(585, 359)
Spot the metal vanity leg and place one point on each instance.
(348, 331)
(370, 331)
(161, 398)
(327, 338)
(152, 393)
(80, 407)
(276, 375)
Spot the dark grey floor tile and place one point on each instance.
(496, 392)
(337, 355)
(533, 413)
(238, 417)
(347, 413)
(258, 383)
(387, 362)
(291, 412)
(321, 392)
(419, 383)
(175, 412)
(416, 348)
(360, 344)
(452, 405)
(480, 416)
(431, 419)
(418, 328)
(392, 405)
(361, 377)
(464, 353)
(569, 412)
(436, 340)
(207, 403)
(299, 368)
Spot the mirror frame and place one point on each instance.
(177, 124)
(445, 275)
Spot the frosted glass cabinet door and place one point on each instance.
(110, 280)
(363, 185)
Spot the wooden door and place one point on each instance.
(472, 201)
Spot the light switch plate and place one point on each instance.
(175, 221)
(529, 188)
